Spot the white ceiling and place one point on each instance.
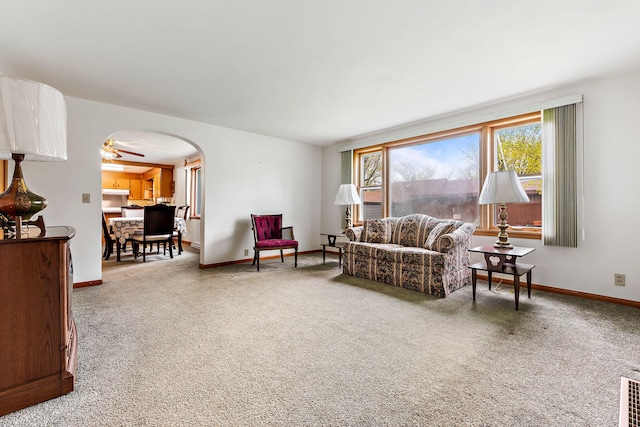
(314, 71)
(157, 148)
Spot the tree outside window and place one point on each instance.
(519, 148)
(370, 186)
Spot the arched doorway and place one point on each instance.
(133, 156)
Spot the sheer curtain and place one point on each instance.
(345, 167)
(559, 177)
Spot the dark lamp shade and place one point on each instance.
(502, 187)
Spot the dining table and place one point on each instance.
(124, 227)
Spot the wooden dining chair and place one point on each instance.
(109, 239)
(181, 212)
(158, 228)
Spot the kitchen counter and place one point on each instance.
(114, 209)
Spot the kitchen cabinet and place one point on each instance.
(117, 183)
(158, 183)
(135, 189)
(38, 355)
(167, 184)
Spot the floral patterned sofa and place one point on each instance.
(416, 252)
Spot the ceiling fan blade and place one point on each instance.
(129, 152)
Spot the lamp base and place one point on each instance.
(503, 245)
(503, 238)
(18, 201)
(347, 218)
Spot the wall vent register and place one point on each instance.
(629, 403)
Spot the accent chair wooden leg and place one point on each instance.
(296, 259)
(281, 255)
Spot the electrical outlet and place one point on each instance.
(619, 279)
(246, 252)
(86, 198)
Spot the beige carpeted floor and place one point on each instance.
(167, 344)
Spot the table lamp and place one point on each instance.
(502, 187)
(33, 126)
(347, 195)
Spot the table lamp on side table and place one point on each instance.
(502, 187)
(347, 195)
(33, 126)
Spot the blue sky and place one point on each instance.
(445, 156)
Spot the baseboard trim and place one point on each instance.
(86, 284)
(561, 291)
(242, 261)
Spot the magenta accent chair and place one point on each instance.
(269, 235)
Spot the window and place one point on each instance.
(371, 185)
(439, 177)
(441, 174)
(519, 148)
(194, 190)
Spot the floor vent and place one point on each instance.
(629, 403)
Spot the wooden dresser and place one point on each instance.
(38, 341)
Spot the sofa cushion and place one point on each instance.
(371, 250)
(405, 254)
(412, 230)
(440, 229)
(376, 231)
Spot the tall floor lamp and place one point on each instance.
(502, 187)
(33, 126)
(347, 195)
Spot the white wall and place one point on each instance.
(332, 214)
(611, 200)
(244, 173)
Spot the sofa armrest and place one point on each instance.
(354, 233)
(460, 235)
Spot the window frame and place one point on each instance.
(486, 213)
(195, 177)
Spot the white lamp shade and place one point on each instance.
(502, 187)
(33, 120)
(347, 195)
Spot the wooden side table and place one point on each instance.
(502, 260)
(332, 243)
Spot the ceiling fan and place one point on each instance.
(109, 152)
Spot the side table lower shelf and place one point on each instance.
(516, 270)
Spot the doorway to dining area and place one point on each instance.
(141, 168)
